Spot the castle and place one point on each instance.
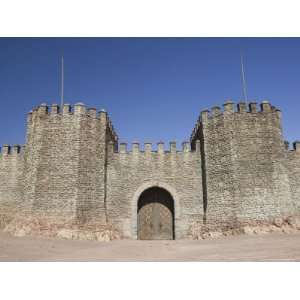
(73, 179)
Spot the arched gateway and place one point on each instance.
(155, 215)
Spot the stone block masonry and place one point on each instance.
(245, 165)
(11, 187)
(132, 172)
(73, 179)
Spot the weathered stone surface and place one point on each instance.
(74, 180)
(247, 166)
(278, 222)
(65, 234)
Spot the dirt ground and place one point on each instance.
(268, 247)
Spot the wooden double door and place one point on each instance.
(155, 215)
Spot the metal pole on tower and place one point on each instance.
(244, 79)
(62, 84)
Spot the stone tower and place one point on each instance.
(246, 180)
(65, 162)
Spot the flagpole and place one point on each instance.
(244, 80)
(62, 84)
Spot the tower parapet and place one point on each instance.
(229, 108)
(67, 111)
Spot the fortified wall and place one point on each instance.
(12, 184)
(73, 179)
(132, 172)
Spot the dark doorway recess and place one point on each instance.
(155, 215)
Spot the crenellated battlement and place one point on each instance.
(296, 146)
(78, 109)
(68, 111)
(230, 108)
(295, 149)
(11, 150)
(160, 149)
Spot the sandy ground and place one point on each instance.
(268, 247)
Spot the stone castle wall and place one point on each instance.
(292, 163)
(11, 187)
(235, 171)
(132, 172)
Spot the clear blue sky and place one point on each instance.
(152, 88)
